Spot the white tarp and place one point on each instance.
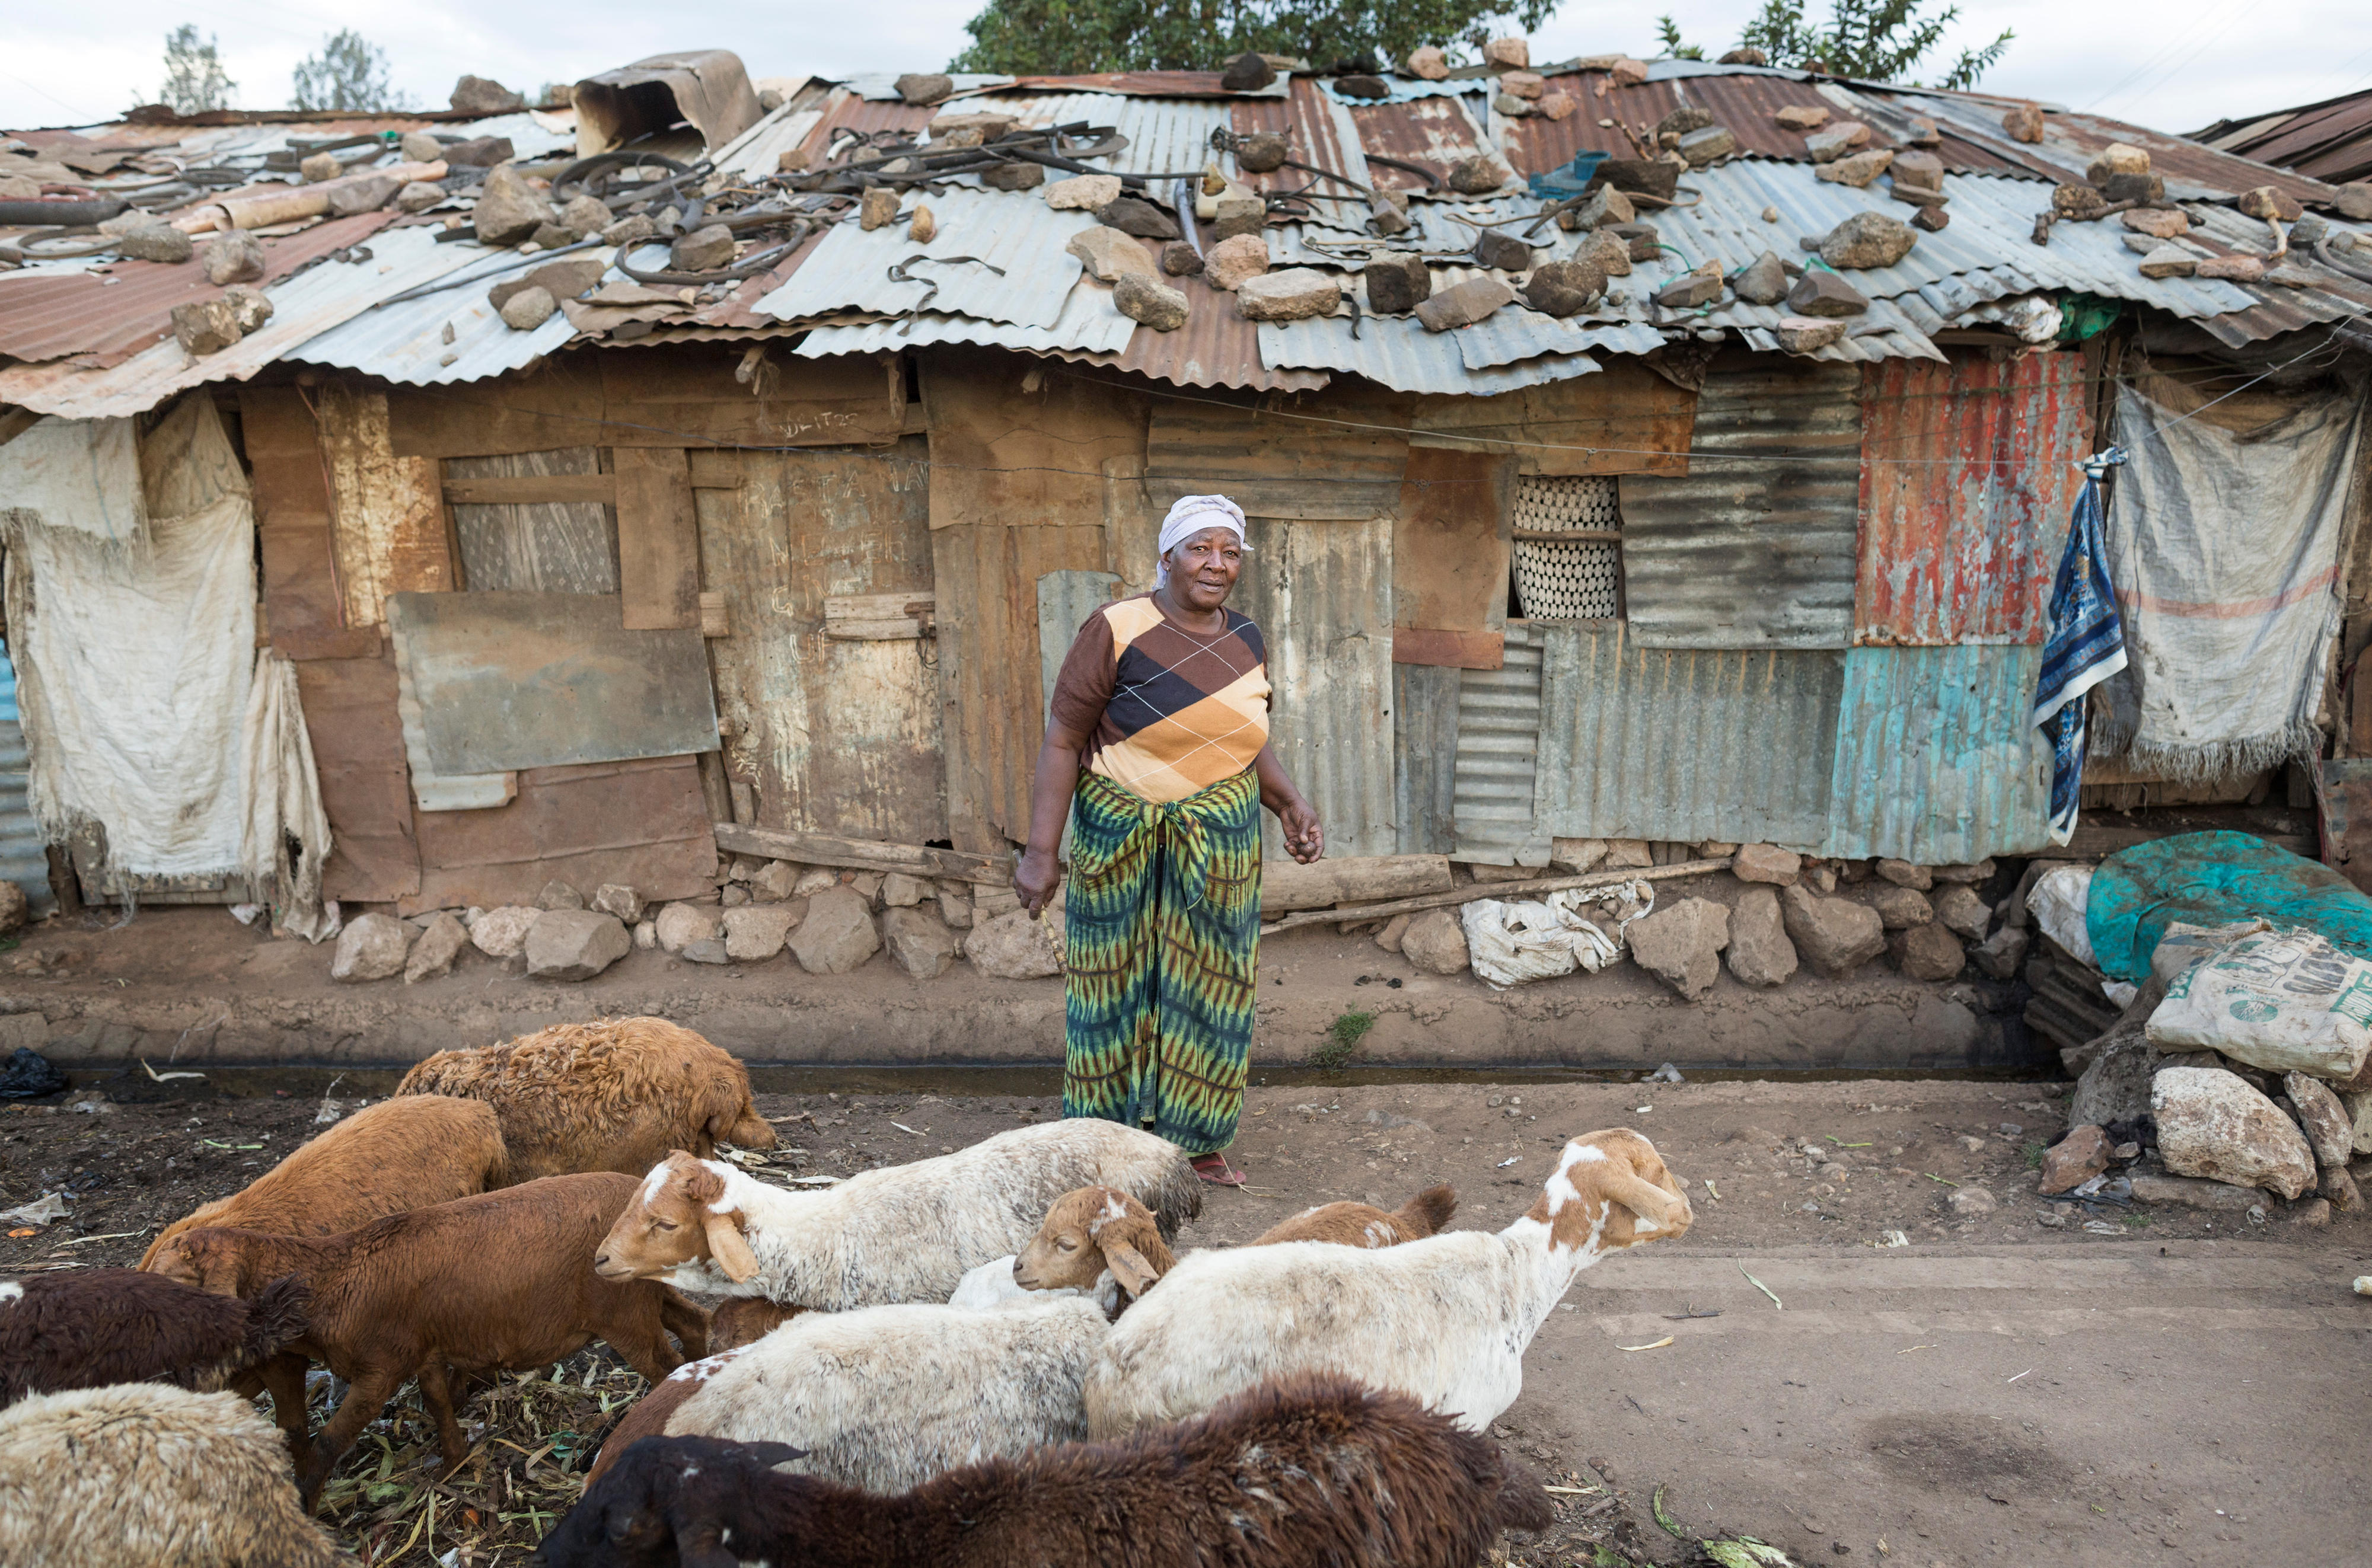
(82, 475)
(283, 795)
(2224, 545)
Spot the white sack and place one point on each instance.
(283, 797)
(1515, 943)
(81, 475)
(2058, 902)
(2284, 1001)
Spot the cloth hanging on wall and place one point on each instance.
(2086, 646)
(286, 833)
(2225, 549)
(79, 475)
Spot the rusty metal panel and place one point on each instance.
(1967, 483)
(1322, 595)
(2330, 141)
(1685, 745)
(836, 737)
(1280, 468)
(1321, 132)
(350, 716)
(1492, 781)
(511, 680)
(1936, 762)
(1432, 132)
(24, 852)
(1425, 757)
(1753, 549)
(642, 824)
(560, 547)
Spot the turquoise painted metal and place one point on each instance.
(1936, 762)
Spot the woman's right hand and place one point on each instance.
(1035, 877)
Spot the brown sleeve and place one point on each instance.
(1085, 682)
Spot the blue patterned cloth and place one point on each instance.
(2086, 645)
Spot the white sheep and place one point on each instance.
(903, 1233)
(887, 1397)
(1446, 1319)
(137, 1474)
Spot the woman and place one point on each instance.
(1156, 748)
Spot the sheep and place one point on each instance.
(95, 1326)
(648, 1416)
(494, 1283)
(1296, 1474)
(745, 1319)
(903, 1233)
(1446, 1319)
(612, 1095)
(1099, 1239)
(140, 1475)
(885, 1397)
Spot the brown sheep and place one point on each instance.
(95, 1326)
(746, 1319)
(501, 1281)
(1363, 1224)
(616, 1093)
(647, 1417)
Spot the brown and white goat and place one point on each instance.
(1314, 1472)
(501, 1281)
(616, 1093)
(94, 1326)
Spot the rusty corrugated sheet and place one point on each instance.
(1683, 744)
(24, 852)
(1967, 482)
(1754, 548)
(1136, 84)
(2329, 140)
(1498, 730)
(1936, 762)
(1217, 347)
(1431, 132)
(1319, 131)
(107, 314)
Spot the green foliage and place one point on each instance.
(194, 79)
(2034, 1153)
(1071, 37)
(1876, 41)
(349, 73)
(1667, 34)
(1342, 1040)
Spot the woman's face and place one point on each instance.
(1203, 569)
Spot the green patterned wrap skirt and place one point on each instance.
(1162, 949)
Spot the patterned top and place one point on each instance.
(1166, 713)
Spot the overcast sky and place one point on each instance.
(2174, 64)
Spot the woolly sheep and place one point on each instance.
(494, 1283)
(139, 1475)
(1446, 1319)
(1317, 1473)
(94, 1326)
(648, 1416)
(612, 1095)
(903, 1233)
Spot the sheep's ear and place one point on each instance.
(1129, 1267)
(1642, 1197)
(726, 1245)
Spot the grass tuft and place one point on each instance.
(1341, 1040)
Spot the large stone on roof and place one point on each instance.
(1135, 214)
(1808, 334)
(1464, 304)
(210, 326)
(877, 209)
(1397, 283)
(1709, 146)
(1477, 176)
(925, 88)
(1822, 292)
(1608, 251)
(480, 152)
(1564, 288)
(1508, 53)
(1802, 117)
(1233, 262)
(420, 146)
(2117, 158)
(1298, 294)
(1762, 280)
(527, 310)
(1688, 117)
(484, 95)
(712, 246)
(1142, 298)
(1247, 73)
(1429, 63)
(1646, 243)
(1179, 259)
(1526, 84)
(1835, 141)
(2023, 123)
(1931, 218)
(1856, 170)
(1388, 213)
(1498, 248)
(585, 215)
(1601, 208)
(1654, 177)
(1864, 241)
(1919, 171)
(2148, 188)
(2354, 200)
(1015, 176)
(357, 197)
(2271, 202)
(2170, 262)
(157, 241)
(1238, 213)
(235, 257)
(1110, 254)
(2155, 223)
(509, 209)
(2233, 269)
(1083, 193)
(1693, 289)
(320, 166)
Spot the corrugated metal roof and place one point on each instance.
(1149, 84)
(1754, 548)
(1433, 131)
(1396, 351)
(1936, 762)
(1683, 744)
(1015, 231)
(24, 851)
(407, 343)
(1165, 135)
(1498, 746)
(2330, 141)
(1967, 484)
(1217, 347)
(1087, 322)
(882, 86)
(758, 151)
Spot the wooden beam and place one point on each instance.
(529, 489)
(880, 618)
(1285, 886)
(1447, 649)
(658, 540)
(1473, 891)
(863, 854)
(2093, 841)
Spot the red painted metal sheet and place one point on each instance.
(1967, 483)
(110, 314)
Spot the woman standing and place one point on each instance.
(1157, 749)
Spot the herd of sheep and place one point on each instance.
(960, 1361)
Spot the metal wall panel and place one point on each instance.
(1498, 737)
(1936, 762)
(1066, 600)
(1425, 757)
(1683, 744)
(1322, 595)
(1968, 480)
(1753, 549)
(558, 547)
(24, 854)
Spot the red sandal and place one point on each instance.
(1214, 1170)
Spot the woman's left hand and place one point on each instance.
(1305, 836)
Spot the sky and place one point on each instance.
(2175, 65)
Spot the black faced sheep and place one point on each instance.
(93, 1327)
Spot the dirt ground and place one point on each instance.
(2163, 1386)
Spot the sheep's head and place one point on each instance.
(1088, 1231)
(630, 1514)
(209, 1258)
(1610, 1190)
(679, 1216)
(732, 1118)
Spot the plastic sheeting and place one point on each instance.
(2214, 880)
(79, 475)
(1515, 943)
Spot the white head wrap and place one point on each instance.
(1191, 516)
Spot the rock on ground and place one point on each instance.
(1436, 942)
(616, 897)
(837, 933)
(2322, 1118)
(919, 942)
(372, 946)
(576, 944)
(1962, 911)
(1931, 953)
(1388, 938)
(1680, 944)
(502, 932)
(1013, 947)
(2113, 1088)
(559, 895)
(2150, 1188)
(1901, 908)
(901, 891)
(1760, 953)
(438, 946)
(1766, 863)
(2001, 954)
(14, 906)
(1575, 857)
(2211, 1123)
(1902, 874)
(1835, 936)
(1972, 1201)
(755, 933)
(679, 926)
(2075, 1159)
